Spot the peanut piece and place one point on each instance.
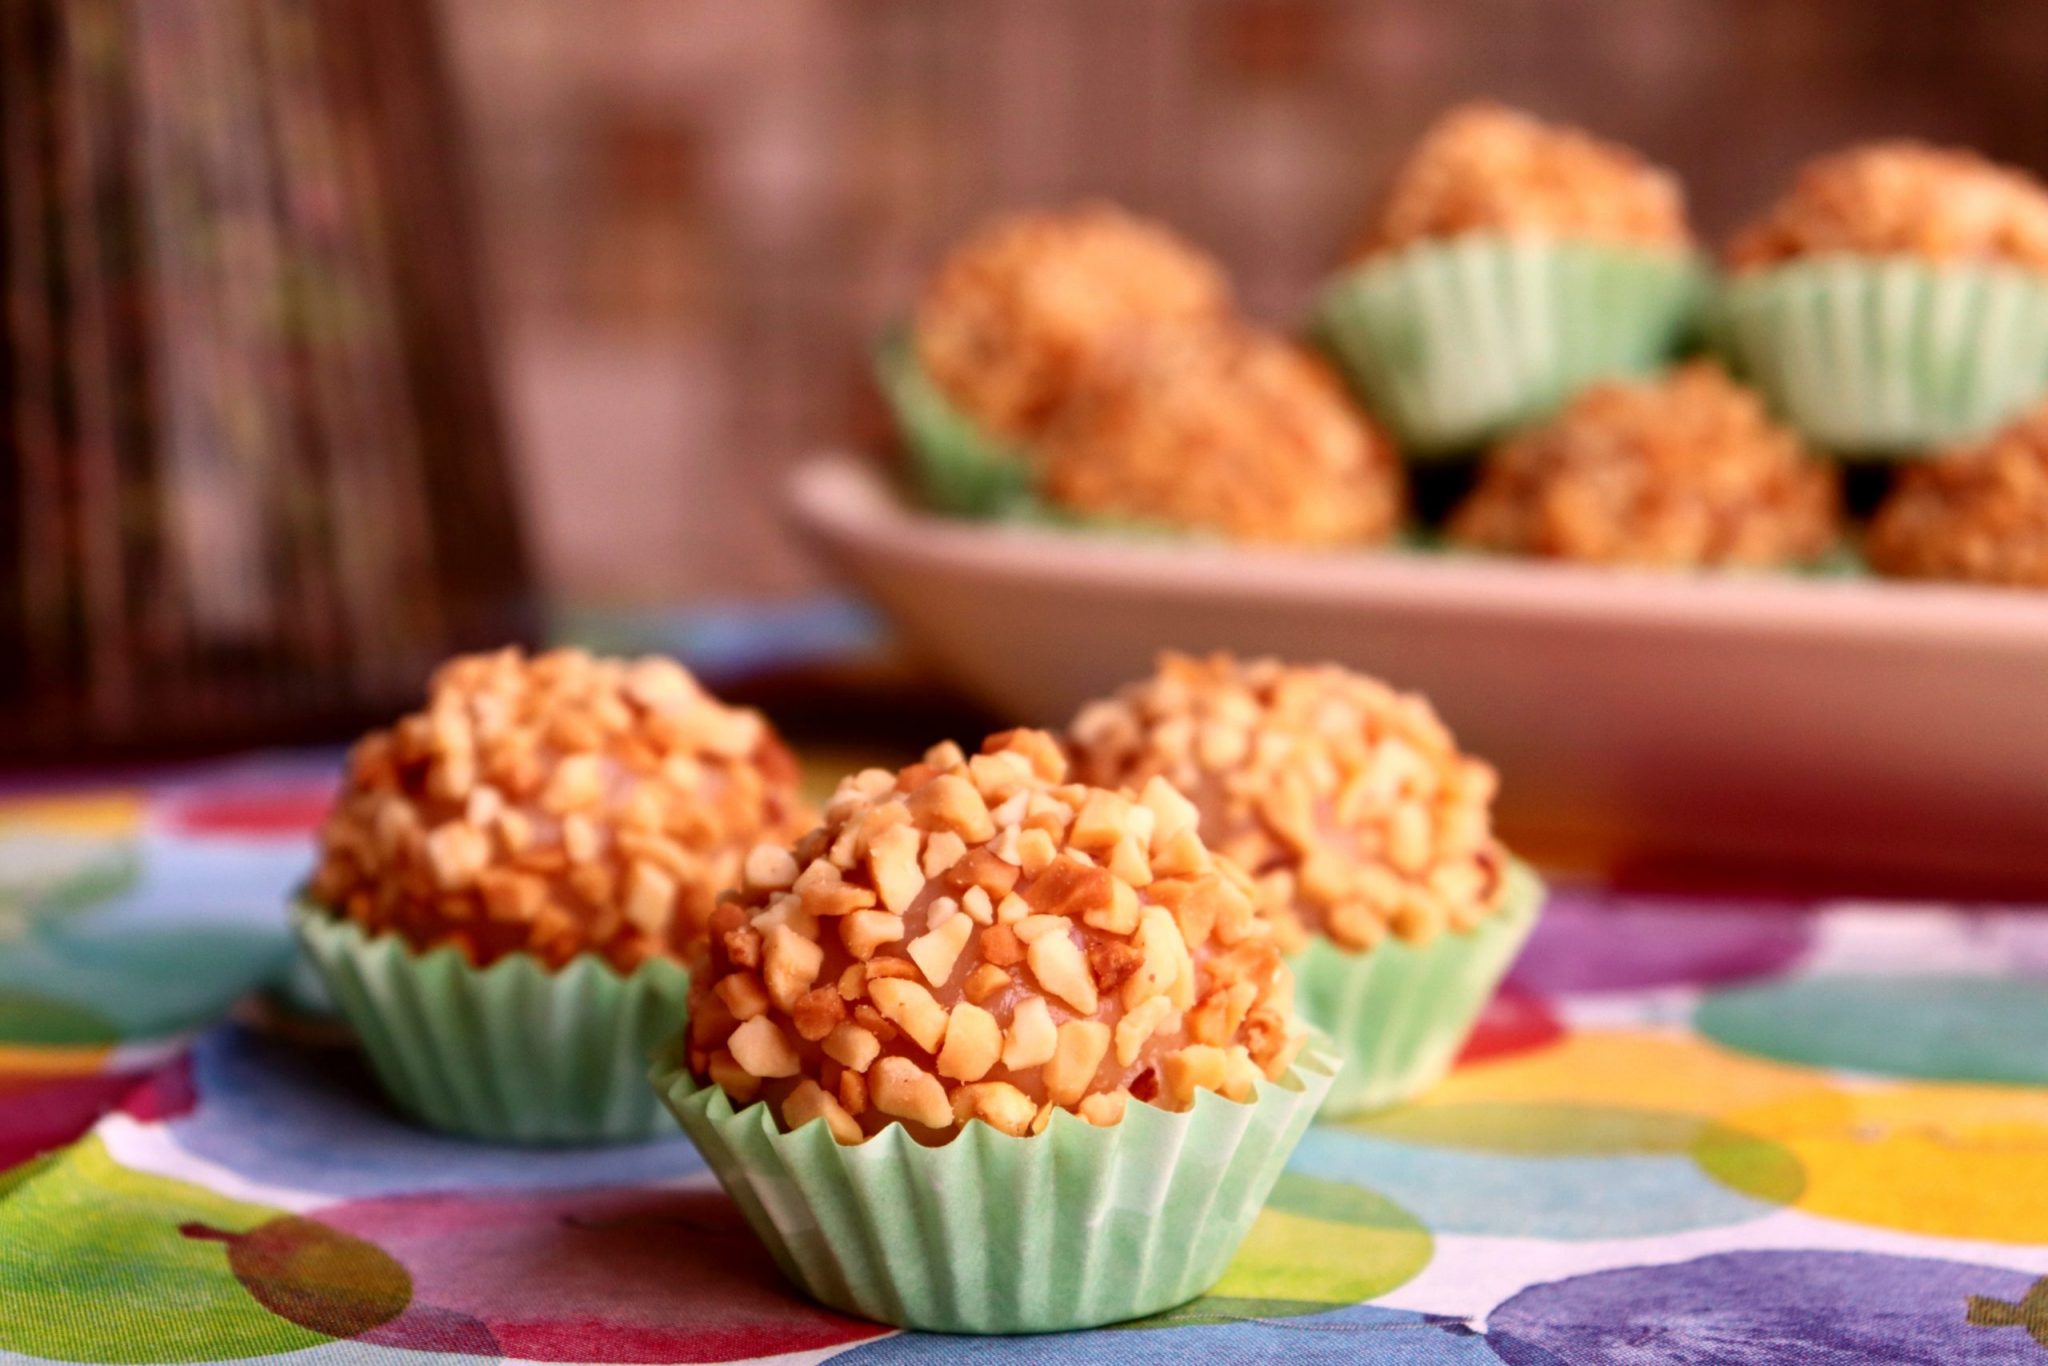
(1103, 1108)
(1101, 821)
(1061, 970)
(851, 1046)
(942, 851)
(1129, 862)
(1180, 854)
(576, 783)
(1033, 928)
(790, 963)
(899, 1087)
(996, 1103)
(1120, 916)
(911, 1008)
(743, 995)
(817, 1013)
(1079, 1051)
(728, 1076)
(973, 1043)
(937, 951)
(892, 863)
(1139, 1025)
(1194, 1068)
(974, 901)
(457, 852)
(1241, 1075)
(1171, 812)
(984, 982)
(1032, 1038)
(769, 867)
(865, 931)
(853, 1092)
(809, 1101)
(1167, 969)
(950, 802)
(761, 1048)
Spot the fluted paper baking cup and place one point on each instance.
(957, 465)
(1398, 1013)
(1453, 342)
(1889, 355)
(512, 1053)
(1070, 1228)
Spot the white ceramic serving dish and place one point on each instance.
(1791, 719)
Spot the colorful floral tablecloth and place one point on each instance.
(1688, 1131)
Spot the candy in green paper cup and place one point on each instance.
(511, 1053)
(1454, 341)
(1888, 355)
(958, 467)
(1398, 1013)
(1069, 1228)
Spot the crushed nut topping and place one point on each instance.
(1483, 167)
(1347, 802)
(557, 805)
(1976, 512)
(1227, 430)
(1031, 301)
(1903, 198)
(993, 990)
(1681, 471)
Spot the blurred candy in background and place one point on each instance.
(703, 214)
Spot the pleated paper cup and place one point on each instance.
(1398, 1013)
(1071, 1228)
(1453, 342)
(1889, 355)
(511, 1053)
(957, 466)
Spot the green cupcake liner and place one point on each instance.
(957, 466)
(1453, 342)
(1071, 1228)
(512, 1053)
(1889, 355)
(1399, 1012)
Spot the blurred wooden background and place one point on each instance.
(699, 212)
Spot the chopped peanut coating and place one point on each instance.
(1004, 984)
(1483, 167)
(1686, 471)
(1903, 198)
(1227, 430)
(1033, 300)
(1347, 803)
(1976, 513)
(558, 805)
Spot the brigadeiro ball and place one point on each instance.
(1902, 198)
(983, 1000)
(1679, 472)
(557, 805)
(1511, 262)
(1484, 167)
(979, 938)
(1976, 514)
(1024, 306)
(1895, 299)
(513, 877)
(1367, 832)
(1230, 431)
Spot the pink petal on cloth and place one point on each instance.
(595, 1276)
(1590, 940)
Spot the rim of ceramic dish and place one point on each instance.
(847, 503)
